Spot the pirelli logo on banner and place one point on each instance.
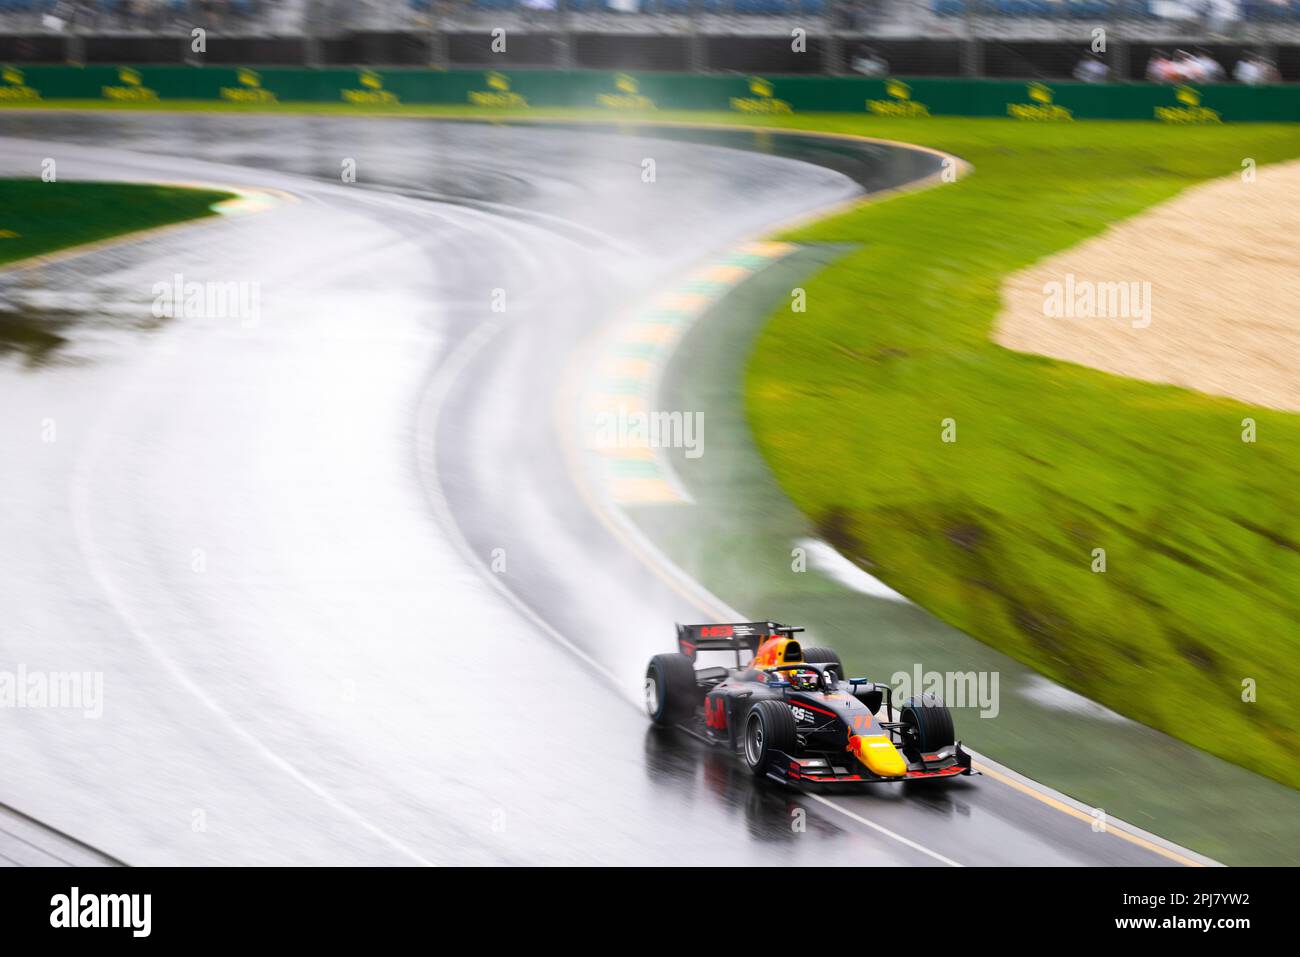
(498, 93)
(762, 99)
(1041, 107)
(130, 88)
(898, 102)
(1188, 109)
(627, 95)
(371, 92)
(13, 86)
(249, 90)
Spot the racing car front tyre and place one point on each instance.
(671, 691)
(930, 721)
(824, 656)
(769, 728)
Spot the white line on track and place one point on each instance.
(83, 527)
(867, 822)
(427, 419)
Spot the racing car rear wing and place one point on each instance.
(737, 637)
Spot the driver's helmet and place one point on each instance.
(805, 679)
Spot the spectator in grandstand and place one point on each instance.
(1220, 15)
(1091, 69)
(868, 62)
(1254, 70)
(1161, 69)
(1211, 69)
(1187, 68)
(1247, 71)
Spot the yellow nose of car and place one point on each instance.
(878, 753)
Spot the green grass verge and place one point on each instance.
(994, 533)
(37, 218)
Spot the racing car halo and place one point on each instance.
(791, 713)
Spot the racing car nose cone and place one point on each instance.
(878, 753)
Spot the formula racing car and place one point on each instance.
(793, 715)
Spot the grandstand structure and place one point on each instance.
(1032, 39)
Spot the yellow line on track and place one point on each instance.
(1084, 816)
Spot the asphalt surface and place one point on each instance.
(349, 604)
(27, 842)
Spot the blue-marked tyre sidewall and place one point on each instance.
(671, 692)
(769, 728)
(932, 721)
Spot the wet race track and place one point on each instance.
(349, 604)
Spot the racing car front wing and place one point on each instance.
(830, 769)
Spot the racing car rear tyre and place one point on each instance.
(931, 720)
(671, 691)
(824, 656)
(769, 728)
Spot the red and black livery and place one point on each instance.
(791, 714)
